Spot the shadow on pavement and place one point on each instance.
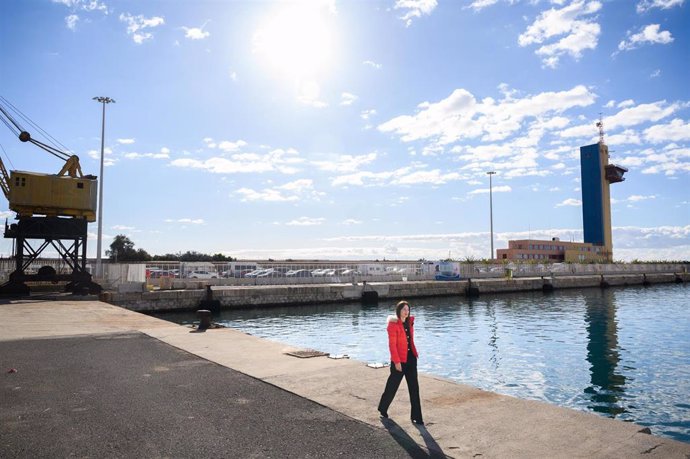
(434, 448)
(411, 446)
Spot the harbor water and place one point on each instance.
(622, 352)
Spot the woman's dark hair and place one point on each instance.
(399, 306)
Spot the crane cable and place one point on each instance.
(6, 156)
(55, 143)
(16, 128)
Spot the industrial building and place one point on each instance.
(552, 251)
(596, 176)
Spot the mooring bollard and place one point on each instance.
(369, 297)
(603, 283)
(204, 316)
(547, 285)
(208, 302)
(471, 292)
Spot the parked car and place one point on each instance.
(150, 272)
(202, 275)
(270, 272)
(254, 273)
(243, 272)
(163, 273)
(299, 273)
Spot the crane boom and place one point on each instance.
(4, 180)
(69, 193)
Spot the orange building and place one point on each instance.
(552, 251)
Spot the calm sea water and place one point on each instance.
(623, 353)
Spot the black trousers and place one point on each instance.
(409, 371)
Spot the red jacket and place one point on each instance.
(397, 341)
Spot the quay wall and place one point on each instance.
(282, 295)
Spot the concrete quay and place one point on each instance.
(272, 295)
(95, 379)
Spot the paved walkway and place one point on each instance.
(108, 382)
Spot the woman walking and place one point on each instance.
(403, 361)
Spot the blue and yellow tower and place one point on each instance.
(597, 174)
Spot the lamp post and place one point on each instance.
(99, 266)
(491, 212)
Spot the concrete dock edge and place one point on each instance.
(462, 421)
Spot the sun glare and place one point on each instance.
(297, 40)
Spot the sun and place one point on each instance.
(297, 39)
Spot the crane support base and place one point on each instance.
(67, 236)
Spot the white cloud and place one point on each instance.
(229, 146)
(277, 160)
(306, 221)
(298, 190)
(191, 221)
(195, 33)
(626, 103)
(346, 163)
(415, 9)
(298, 186)
(366, 114)
(495, 189)
(569, 202)
(629, 116)
(401, 176)
(637, 197)
(347, 99)
(125, 141)
(675, 131)
(84, 5)
(164, 154)
(646, 5)
(572, 23)
(109, 160)
(71, 21)
(122, 228)
(655, 74)
(632, 116)
(478, 5)
(626, 137)
(233, 75)
(372, 64)
(137, 24)
(649, 34)
(460, 115)
(351, 221)
(268, 194)
(670, 161)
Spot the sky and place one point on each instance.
(358, 129)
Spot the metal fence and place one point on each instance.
(261, 272)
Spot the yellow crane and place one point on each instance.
(54, 208)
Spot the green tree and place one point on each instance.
(122, 249)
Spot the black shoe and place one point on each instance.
(383, 414)
(419, 422)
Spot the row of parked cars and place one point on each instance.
(288, 272)
(278, 271)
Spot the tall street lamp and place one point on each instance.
(491, 212)
(99, 265)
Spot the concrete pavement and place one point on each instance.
(461, 421)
